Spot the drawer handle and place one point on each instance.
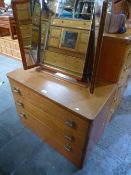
(20, 103)
(70, 123)
(69, 137)
(22, 115)
(115, 99)
(112, 111)
(68, 148)
(16, 90)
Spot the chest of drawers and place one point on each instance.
(64, 115)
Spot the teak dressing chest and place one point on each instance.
(63, 113)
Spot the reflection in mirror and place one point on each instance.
(69, 39)
(58, 34)
(79, 9)
(68, 36)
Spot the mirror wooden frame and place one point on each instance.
(92, 56)
(14, 4)
(98, 47)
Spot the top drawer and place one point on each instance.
(57, 112)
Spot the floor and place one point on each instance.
(23, 153)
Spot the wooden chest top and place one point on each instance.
(71, 96)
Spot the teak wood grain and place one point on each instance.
(65, 94)
(50, 108)
(113, 55)
(46, 133)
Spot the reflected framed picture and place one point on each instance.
(69, 39)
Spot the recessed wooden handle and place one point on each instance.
(22, 115)
(70, 123)
(20, 103)
(68, 148)
(128, 41)
(69, 137)
(16, 90)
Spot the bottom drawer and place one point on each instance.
(48, 135)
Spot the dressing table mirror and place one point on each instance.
(60, 36)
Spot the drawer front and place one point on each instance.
(24, 11)
(117, 98)
(54, 42)
(66, 62)
(64, 133)
(66, 118)
(84, 37)
(26, 30)
(82, 48)
(27, 41)
(74, 24)
(47, 134)
(55, 32)
(55, 59)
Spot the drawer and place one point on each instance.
(82, 48)
(72, 153)
(64, 137)
(24, 10)
(23, 7)
(35, 37)
(55, 32)
(117, 98)
(24, 15)
(54, 42)
(55, 59)
(65, 133)
(84, 37)
(67, 62)
(65, 117)
(80, 24)
(75, 64)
